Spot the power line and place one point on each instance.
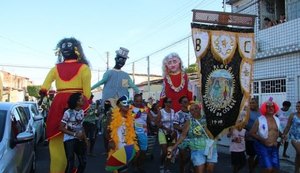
(170, 21)
(166, 47)
(23, 45)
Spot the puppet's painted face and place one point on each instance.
(173, 64)
(120, 62)
(68, 49)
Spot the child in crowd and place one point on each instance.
(75, 140)
(237, 147)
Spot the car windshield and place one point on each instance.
(2, 123)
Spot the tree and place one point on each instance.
(191, 68)
(33, 90)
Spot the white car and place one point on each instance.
(17, 154)
(36, 120)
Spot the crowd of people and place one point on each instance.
(177, 122)
(269, 23)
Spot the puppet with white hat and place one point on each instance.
(116, 82)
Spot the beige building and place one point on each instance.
(13, 87)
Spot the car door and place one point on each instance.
(38, 122)
(24, 151)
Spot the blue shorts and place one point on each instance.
(268, 156)
(198, 158)
(142, 141)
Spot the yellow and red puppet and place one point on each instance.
(71, 74)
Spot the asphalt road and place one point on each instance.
(96, 164)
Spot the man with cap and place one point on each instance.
(116, 82)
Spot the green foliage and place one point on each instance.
(33, 90)
(192, 68)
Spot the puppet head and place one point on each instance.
(121, 57)
(172, 64)
(70, 48)
(269, 107)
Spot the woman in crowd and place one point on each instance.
(293, 126)
(181, 117)
(75, 140)
(152, 119)
(195, 129)
(166, 133)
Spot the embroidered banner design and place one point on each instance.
(225, 74)
(201, 42)
(246, 45)
(223, 45)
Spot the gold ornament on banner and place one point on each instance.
(245, 75)
(223, 45)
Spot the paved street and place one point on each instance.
(96, 164)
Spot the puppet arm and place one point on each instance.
(133, 86)
(48, 80)
(102, 81)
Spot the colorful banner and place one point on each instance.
(225, 59)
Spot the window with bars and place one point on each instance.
(255, 87)
(273, 86)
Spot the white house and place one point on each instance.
(277, 61)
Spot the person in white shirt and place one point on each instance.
(75, 141)
(283, 115)
(237, 147)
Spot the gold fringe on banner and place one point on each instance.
(201, 42)
(246, 45)
(223, 45)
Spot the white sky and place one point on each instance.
(31, 29)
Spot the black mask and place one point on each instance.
(67, 49)
(120, 62)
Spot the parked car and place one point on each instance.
(17, 154)
(36, 120)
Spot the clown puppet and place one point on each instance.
(71, 74)
(176, 83)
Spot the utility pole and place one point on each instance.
(188, 52)
(107, 60)
(133, 78)
(148, 71)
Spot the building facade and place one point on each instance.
(13, 87)
(277, 35)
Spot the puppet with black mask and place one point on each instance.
(71, 74)
(116, 82)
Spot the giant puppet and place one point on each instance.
(225, 59)
(71, 74)
(116, 82)
(175, 81)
